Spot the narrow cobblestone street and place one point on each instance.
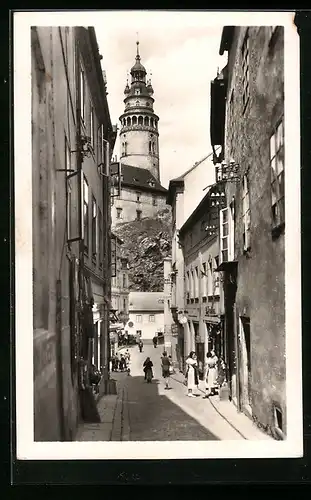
(149, 412)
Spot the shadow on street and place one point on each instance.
(153, 416)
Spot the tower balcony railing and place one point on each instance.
(127, 128)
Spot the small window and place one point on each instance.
(196, 283)
(94, 229)
(86, 214)
(92, 125)
(246, 214)
(154, 200)
(124, 280)
(100, 238)
(99, 145)
(277, 177)
(138, 197)
(151, 318)
(138, 214)
(119, 213)
(82, 94)
(138, 318)
(245, 71)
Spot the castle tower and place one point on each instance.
(139, 136)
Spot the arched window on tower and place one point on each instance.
(125, 148)
(156, 124)
(128, 122)
(150, 151)
(124, 122)
(153, 147)
(140, 120)
(134, 120)
(147, 121)
(151, 122)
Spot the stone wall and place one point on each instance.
(261, 289)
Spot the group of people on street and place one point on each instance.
(166, 365)
(210, 375)
(121, 363)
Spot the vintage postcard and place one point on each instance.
(157, 217)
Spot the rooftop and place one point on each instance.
(146, 301)
(139, 178)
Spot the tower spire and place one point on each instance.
(137, 48)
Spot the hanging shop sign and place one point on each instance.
(182, 319)
(210, 311)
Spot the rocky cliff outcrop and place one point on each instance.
(146, 243)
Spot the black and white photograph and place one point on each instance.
(157, 235)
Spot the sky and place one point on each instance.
(181, 49)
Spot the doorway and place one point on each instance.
(245, 365)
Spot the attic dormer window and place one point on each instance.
(134, 179)
(151, 183)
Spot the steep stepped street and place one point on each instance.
(149, 412)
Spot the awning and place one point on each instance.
(211, 319)
(227, 266)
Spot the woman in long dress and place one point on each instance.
(192, 375)
(211, 373)
(148, 370)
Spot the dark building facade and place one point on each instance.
(72, 137)
(248, 100)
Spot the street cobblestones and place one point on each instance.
(149, 412)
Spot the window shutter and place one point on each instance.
(221, 232)
(224, 234)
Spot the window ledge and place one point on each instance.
(278, 230)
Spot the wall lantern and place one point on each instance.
(218, 199)
(211, 229)
(227, 172)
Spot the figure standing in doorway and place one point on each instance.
(155, 341)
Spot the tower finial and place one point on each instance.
(137, 43)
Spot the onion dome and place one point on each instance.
(138, 71)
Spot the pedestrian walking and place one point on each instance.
(140, 345)
(211, 374)
(192, 374)
(155, 341)
(148, 370)
(166, 369)
(113, 363)
(127, 366)
(117, 363)
(122, 363)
